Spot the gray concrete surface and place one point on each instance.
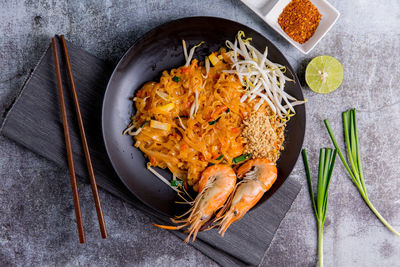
(36, 211)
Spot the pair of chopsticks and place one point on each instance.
(71, 166)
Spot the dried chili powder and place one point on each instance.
(300, 19)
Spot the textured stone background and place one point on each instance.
(36, 210)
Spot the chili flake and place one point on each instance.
(300, 19)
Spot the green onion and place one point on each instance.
(325, 169)
(354, 157)
(176, 183)
(220, 157)
(214, 121)
(176, 79)
(241, 158)
(144, 123)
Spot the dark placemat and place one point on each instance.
(34, 121)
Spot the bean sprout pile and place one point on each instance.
(261, 77)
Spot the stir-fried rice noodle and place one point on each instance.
(194, 116)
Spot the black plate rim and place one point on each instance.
(143, 37)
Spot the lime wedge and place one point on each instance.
(324, 74)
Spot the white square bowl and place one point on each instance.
(329, 17)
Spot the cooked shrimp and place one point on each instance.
(258, 177)
(216, 184)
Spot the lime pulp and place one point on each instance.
(324, 74)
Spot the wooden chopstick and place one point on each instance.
(71, 166)
(93, 183)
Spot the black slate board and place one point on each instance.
(34, 121)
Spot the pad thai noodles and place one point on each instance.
(225, 110)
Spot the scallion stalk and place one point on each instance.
(354, 157)
(144, 123)
(214, 121)
(220, 157)
(241, 158)
(326, 164)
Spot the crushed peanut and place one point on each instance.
(263, 135)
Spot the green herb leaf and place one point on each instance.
(176, 79)
(227, 111)
(176, 183)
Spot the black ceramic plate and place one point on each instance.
(156, 51)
